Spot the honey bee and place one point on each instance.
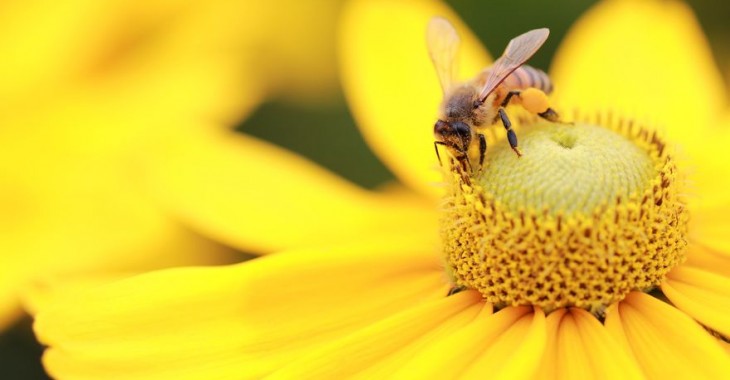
(480, 102)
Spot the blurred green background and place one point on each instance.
(325, 132)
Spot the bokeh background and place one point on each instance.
(304, 110)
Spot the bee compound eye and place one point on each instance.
(461, 128)
(441, 127)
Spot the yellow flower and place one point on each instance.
(90, 92)
(361, 289)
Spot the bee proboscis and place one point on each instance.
(481, 101)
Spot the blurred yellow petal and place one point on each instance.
(113, 43)
(42, 292)
(664, 341)
(391, 84)
(296, 55)
(284, 53)
(709, 259)
(644, 58)
(37, 56)
(92, 87)
(725, 345)
(479, 343)
(708, 174)
(72, 208)
(401, 332)
(703, 295)
(9, 303)
(259, 197)
(115, 46)
(710, 226)
(579, 347)
(62, 222)
(238, 321)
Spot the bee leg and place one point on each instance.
(511, 136)
(509, 96)
(482, 149)
(463, 159)
(455, 289)
(436, 147)
(550, 115)
(465, 163)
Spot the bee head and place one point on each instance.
(453, 130)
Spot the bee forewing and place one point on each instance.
(443, 45)
(518, 51)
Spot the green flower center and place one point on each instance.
(566, 169)
(588, 214)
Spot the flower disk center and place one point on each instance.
(566, 169)
(586, 215)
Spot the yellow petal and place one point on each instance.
(649, 59)
(710, 225)
(87, 90)
(708, 175)
(239, 321)
(701, 294)
(406, 331)
(296, 56)
(10, 309)
(579, 347)
(725, 345)
(665, 342)
(391, 84)
(480, 342)
(41, 293)
(111, 47)
(259, 197)
(398, 356)
(516, 354)
(69, 210)
(709, 259)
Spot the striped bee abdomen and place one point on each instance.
(527, 76)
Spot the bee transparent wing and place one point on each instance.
(518, 51)
(443, 45)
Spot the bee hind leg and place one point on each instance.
(550, 115)
(509, 96)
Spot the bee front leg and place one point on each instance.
(463, 158)
(482, 149)
(511, 136)
(436, 147)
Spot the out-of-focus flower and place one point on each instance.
(92, 91)
(367, 295)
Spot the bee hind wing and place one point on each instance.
(443, 42)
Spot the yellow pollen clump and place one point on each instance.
(586, 215)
